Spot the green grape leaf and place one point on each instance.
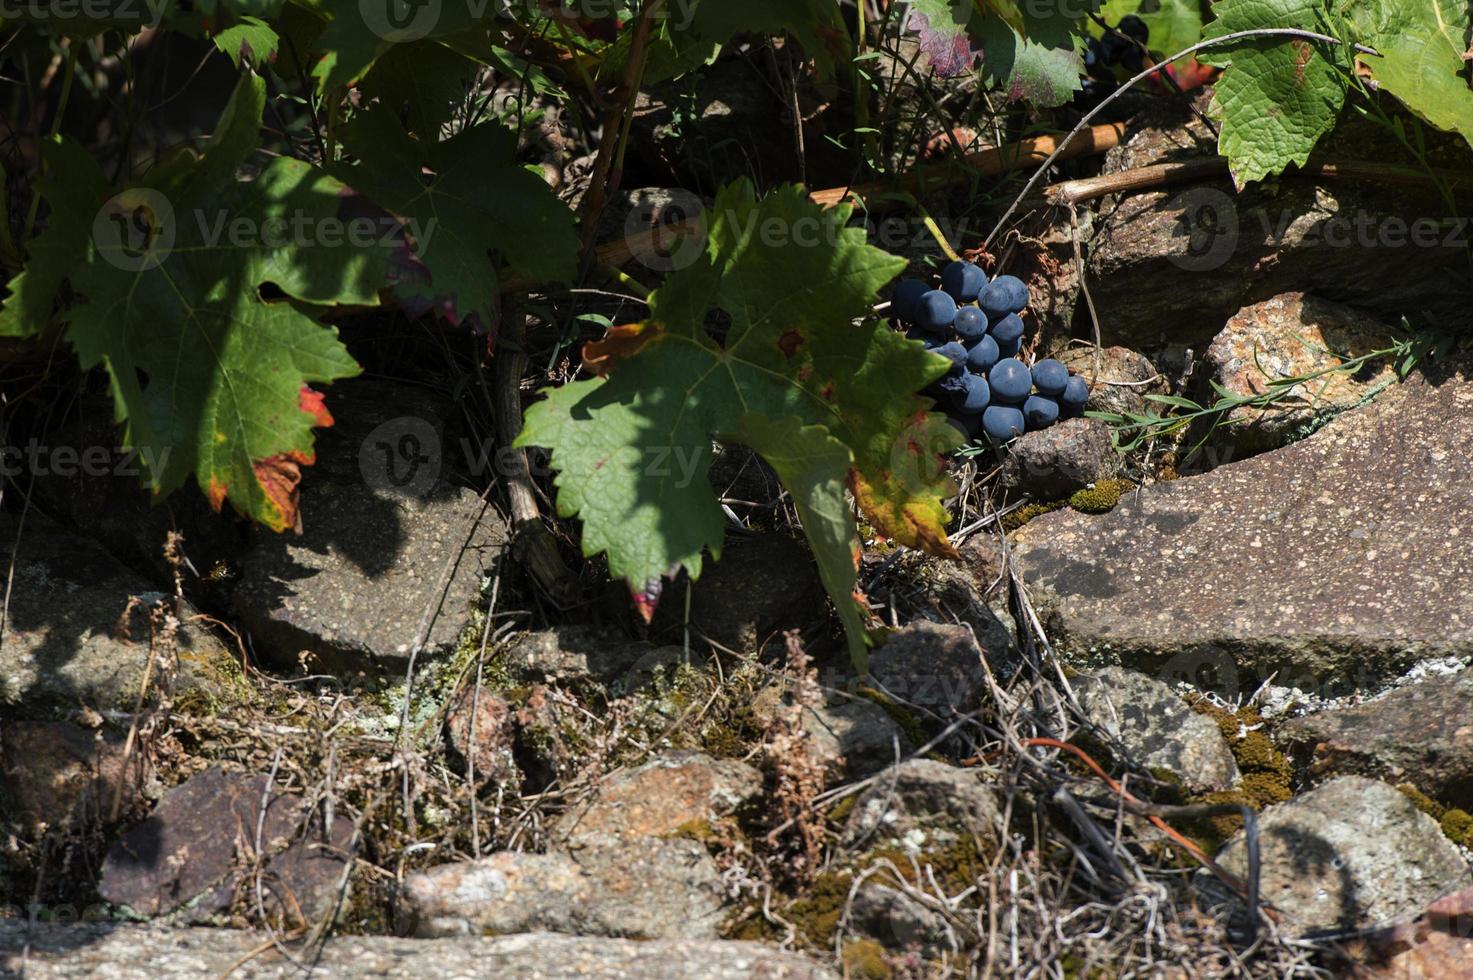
(475, 200)
(801, 352)
(362, 31)
(249, 38)
(71, 185)
(1277, 96)
(1174, 24)
(814, 468)
(815, 23)
(421, 82)
(1423, 45)
(211, 376)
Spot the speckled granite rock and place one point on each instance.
(1338, 560)
(659, 797)
(1155, 727)
(1287, 336)
(127, 952)
(1122, 381)
(921, 803)
(1421, 733)
(1050, 464)
(1354, 853)
(643, 888)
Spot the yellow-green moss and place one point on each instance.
(838, 814)
(864, 959)
(1422, 801)
(1458, 826)
(818, 912)
(1267, 774)
(955, 867)
(1015, 519)
(1101, 497)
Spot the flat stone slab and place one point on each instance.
(77, 630)
(127, 952)
(1339, 561)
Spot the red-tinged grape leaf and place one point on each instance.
(803, 373)
(941, 31)
(461, 199)
(209, 378)
(1026, 50)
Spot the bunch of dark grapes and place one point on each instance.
(1125, 46)
(976, 325)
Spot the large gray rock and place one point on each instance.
(1293, 335)
(932, 667)
(921, 804)
(77, 630)
(379, 526)
(1421, 734)
(1167, 268)
(1354, 853)
(852, 738)
(128, 952)
(1155, 728)
(1337, 561)
(606, 886)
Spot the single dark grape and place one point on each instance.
(1115, 45)
(935, 311)
(1076, 394)
(1097, 61)
(1040, 412)
(1010, 380)
(963, 281)
(1009, 348)
(1003, 422)
(967, 426)
(903, 301)
(970, 324)
(982, 355)
(1133, 60)
(1008, 329)
(1003, 295)
(1134, 28)
(1050, 377)
(955, 353)
(950, 390)
(979, 394)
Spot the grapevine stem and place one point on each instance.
(617, 122)
(1142, 76)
